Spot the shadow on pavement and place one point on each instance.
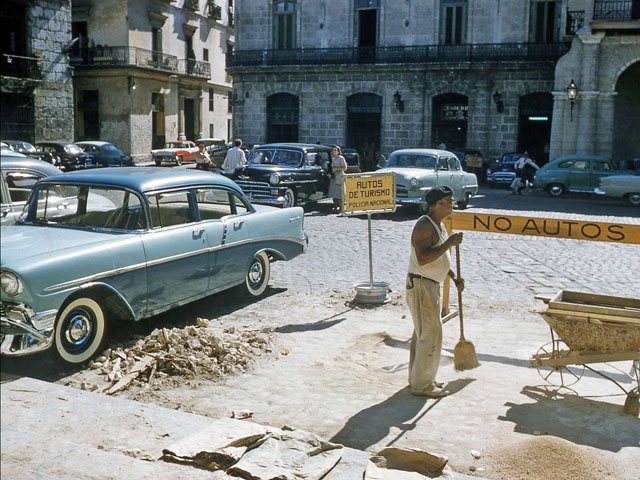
(311, 326)
(563, 415)
(402, 411)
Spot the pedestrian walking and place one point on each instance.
(338, 168)
(429, 265)
(525, 171)
(203, 162)
(235, 157)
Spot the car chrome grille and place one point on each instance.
(401, 191)
(257, 189)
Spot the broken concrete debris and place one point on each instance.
(193, 352)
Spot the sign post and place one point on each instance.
(368, 193)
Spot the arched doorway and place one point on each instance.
(626, 141)
(449, 122)
(534, 125)
(364, 115)
(283, 113)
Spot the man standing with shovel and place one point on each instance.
(429, 265)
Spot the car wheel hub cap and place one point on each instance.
(79, 329)
(255, 273)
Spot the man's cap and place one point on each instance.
(437, 193)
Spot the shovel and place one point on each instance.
(464, 353)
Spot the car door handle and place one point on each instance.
(238, 225)
(198, 231)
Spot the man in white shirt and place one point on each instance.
(235, 157)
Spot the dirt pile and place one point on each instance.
(544, 457)
(176, 355)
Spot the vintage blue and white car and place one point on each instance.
(95, 246)
(418, 170)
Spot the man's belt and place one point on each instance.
(413, 276)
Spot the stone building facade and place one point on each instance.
(150, 71)
(379, 75)
(36, 83)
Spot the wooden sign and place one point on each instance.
(369, 193)
(547, 227)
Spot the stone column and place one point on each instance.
(586, 110)
(560, 141)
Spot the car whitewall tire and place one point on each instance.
(258, 274)
(80, 331)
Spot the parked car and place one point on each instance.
(626, 187)
(175, 152)
(418, 170)
(285, 174)
(503, 172)
(18, 174)
(354, 163)
(65, 156)
(20, 146)
(574, 173)
(106, 154)
(130, 243)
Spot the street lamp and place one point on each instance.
(397, 99)
(572, 94)
(497, 99)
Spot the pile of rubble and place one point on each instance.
(193, 352)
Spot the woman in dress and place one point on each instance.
(338, 169)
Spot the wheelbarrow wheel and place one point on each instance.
(560, 376)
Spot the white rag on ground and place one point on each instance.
(407, 464)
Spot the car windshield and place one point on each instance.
(110, 148)
(83, 206)
(412, 160)
(72, 149)
(289, 158)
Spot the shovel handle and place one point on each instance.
(459, 292)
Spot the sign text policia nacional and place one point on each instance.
(547, 227)
(369, 193)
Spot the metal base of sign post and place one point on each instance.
(371, 294)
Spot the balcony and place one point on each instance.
(214, 11)
(16, 66)
(575, 21)
(194, 68)
(616, 10)
(192, 4)
(100, 56)
(427, 54)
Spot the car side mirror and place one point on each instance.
(382, 162)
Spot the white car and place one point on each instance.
(418, 170)
(175, 152)
(621, 186)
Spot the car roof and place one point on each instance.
(54, 143)
(144, 179)
(8, 153)
(28, 163)
(423, 151)
(97, 143)
(579, 157)
(303, 146)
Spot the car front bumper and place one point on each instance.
(262, 193)
(23, 331)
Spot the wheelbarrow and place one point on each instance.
(587, 329)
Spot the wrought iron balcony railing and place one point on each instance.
(194, 68)
(100, 56)
(20, 67)
(575, 21)
(494, 52)
(616, 10)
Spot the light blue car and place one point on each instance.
(129, 243)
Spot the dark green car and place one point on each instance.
(574, 173)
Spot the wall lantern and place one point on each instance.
(572, 94)
(397, 100)
(131, 83)
(497, 99)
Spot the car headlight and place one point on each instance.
(274, 179)
(414, 183)
(11, 284)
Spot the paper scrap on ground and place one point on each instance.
(407, 464)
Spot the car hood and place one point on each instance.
(167, 151)
(24, 246)
(262, 172)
